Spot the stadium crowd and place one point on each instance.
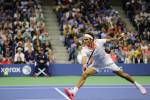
(75, 17)
(22, 32)
(138, 12)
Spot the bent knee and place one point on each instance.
(85, 74)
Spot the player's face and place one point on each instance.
(86, 41)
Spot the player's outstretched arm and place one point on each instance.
(114, 39)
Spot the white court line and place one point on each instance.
(39, 99)
(36, 88)
(22, 88)
(62, 93)
(72, 85)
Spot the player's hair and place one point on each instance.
(91, 34)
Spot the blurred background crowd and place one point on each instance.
(98, 16)
(23, 34)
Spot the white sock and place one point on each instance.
(75, 90)
(137, 84)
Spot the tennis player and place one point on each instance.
(94, 49)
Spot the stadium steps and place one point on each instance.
(117, 5)
(60, 52)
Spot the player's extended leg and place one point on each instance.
(124, 75)
(89, 72)
(71, 92)
(130, 79)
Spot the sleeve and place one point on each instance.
(83, 52)
(101, 42)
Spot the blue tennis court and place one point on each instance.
(108, 92)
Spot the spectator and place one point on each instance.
(20, 21)
(44, 38)
(37, 45)
(19, 61)
(113, 56)
(1, 59)
(146, 54)
(30, 56)
(138, 55)
(41, 63)
(7, 49)
(28, 45)
(51, 58)
(72, 52)
(47, 46)
(27, 35)
(19, 45)
(18, 37)
(19, 56)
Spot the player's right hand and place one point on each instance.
(84, 67)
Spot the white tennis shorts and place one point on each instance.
(111, 66)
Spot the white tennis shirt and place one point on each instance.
(100, 57)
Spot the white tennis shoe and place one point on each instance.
(142, 89)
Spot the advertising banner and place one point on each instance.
(71, 69)
(76, 69)
(16, 70)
